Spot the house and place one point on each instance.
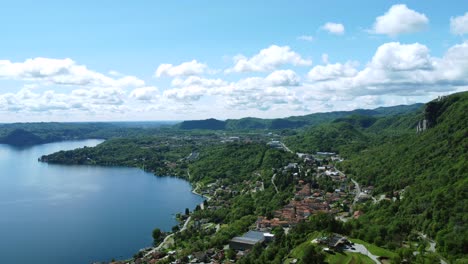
(326, 153)
(291, 166)
(247, 241)
(357, 214)
(199, 257)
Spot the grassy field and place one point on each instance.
(336, 257)
(348, 258)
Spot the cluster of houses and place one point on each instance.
(308, 200)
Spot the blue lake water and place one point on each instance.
(80, 214)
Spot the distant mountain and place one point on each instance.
(294, 121)
(21, 137)
(210, 124)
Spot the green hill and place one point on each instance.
(21, 137)
(332, 137)
(210, 124)
(432, 169)
(293, 122)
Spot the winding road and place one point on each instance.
(273, 182)
(358, 190)
(359, 248)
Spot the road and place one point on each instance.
(286, 148)
(358, 191)
(185, 224)
(167, 238)
(273, 182)
(432, 245)
(359, 248)
(160, 245)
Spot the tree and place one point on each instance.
(187, 211)
(312, 255)
(157, 234)
(230, 254)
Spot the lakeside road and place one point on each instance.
(168, 237)
(184, 227)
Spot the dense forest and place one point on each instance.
(293, 122)
(427, 173)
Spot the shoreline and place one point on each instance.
(195, 191)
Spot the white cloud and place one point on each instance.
(399, 19)
(100, 96)
(186, 94)
(268, 59)
(459, 24)
(332, 71)
(145, 93)
(252, 92)
(185, 69)
(197, 81)
(398, 57)
(396, 69)
(334, 28)
(306, 38)
(62, 72)
(283, 78)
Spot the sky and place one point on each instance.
(182, 60)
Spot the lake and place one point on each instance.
(81, 214)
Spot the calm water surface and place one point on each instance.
(80, 214)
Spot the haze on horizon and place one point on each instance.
(180, 60)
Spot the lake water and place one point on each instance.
(80, 214)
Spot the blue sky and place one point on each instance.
(89, 61)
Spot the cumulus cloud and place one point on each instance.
(283, 78)
(62, 72)
(397, 69)
(197, 81)
(184, 69)
(398, 57)
(145, 93)
(334, 28)
(459, 24)
(26, 100)
(399, 19)
(253, 92)
(100, 96)
(332, 71)
(186, 94)
(268, 59)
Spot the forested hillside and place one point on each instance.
(428, 174)
(339, 137)
(235, 162)
(24, 134)
(425, 172)
(293, 122)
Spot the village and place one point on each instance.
(319, 188)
